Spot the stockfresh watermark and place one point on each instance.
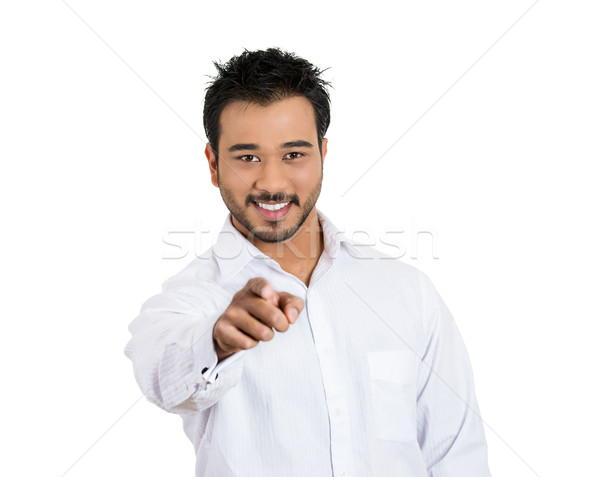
(415, 241)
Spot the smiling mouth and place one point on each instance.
(273, 207)
(272, 211)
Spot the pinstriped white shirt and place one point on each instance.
(372, 380)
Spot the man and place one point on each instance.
(287, 348)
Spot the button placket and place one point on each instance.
(335, 392)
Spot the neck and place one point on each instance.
(299, 254)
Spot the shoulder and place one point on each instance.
(380, 274)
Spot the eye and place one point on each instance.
(293, 155)
(248, 158)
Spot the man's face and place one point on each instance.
(269, 155)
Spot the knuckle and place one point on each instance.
(232, 314)
(267, 334)
(248, 344)
(239, 293)
(256, 281)
(281, 323)
(217, 328)
(223, 344)
(223, 320)
(273, 316)
(221, 335)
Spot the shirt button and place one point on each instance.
(326, 351)
(344, 474)
(338, 413)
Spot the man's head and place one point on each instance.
(265, 115)
(263, 77)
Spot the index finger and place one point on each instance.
(263, 289)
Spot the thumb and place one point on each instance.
(291, 305)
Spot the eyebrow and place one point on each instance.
(300, 143)
(254, 147)
(243, 147)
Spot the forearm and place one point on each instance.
(172, 352)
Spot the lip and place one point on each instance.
(272, 214)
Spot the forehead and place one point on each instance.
(244, 121)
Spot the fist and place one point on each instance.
(252, 315)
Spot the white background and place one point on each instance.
(99, 164)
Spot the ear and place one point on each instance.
(323, 149)
(212, 164)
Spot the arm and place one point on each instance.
(187, 351)
(450, 429)
(172, 349)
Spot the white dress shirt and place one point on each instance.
(372, 380)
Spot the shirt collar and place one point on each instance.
(233, 251)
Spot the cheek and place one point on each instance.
(238, 181)
(307, 177)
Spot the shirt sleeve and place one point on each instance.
(173, 355)
(450, 429)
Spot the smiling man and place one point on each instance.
(287, 348)
(271, 188)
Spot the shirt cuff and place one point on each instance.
(207, 361)
(208, 371)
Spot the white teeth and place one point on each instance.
(272, 206)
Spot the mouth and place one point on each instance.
(272, 211)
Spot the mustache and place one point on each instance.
(278, 197)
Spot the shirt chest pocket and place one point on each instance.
(393, 376)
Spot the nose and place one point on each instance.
(271, 177)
